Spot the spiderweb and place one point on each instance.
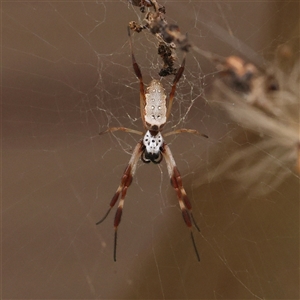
(66, 76)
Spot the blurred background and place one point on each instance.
(66, 76)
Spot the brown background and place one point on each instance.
(66, 76)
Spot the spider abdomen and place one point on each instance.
(155, 108)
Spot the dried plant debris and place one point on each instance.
(168, 35)
(142, 4)
(168, 59)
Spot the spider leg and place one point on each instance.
(184, 202)
(183, 130)
(113, 129)
(122, 190)
(138, 74)
(175, 81)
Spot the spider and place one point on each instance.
(152, 148)
(238, 73)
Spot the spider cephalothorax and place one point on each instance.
(155, 111)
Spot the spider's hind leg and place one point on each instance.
(184, 202)
(122, 190)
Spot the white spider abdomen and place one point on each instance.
(155, 108)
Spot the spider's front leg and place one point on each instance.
(122, 190)
(184, 202)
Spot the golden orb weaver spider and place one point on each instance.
(151, 148)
